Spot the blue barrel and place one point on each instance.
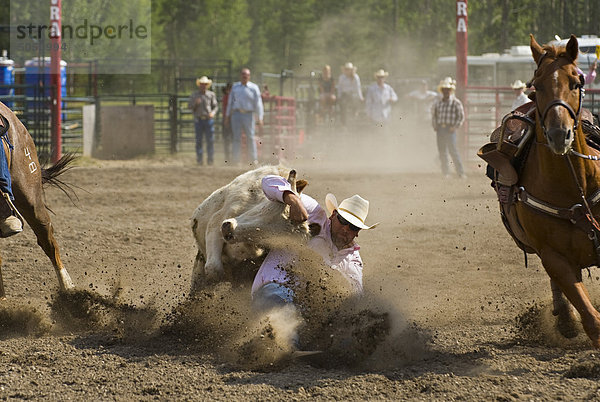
(7, 77)
(37, 79)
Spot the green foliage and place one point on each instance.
(404, 37)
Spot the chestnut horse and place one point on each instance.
(559, 188)
(27, 178)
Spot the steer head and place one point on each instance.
(268, 223)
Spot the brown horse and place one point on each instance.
(27, 178)
(558, 188)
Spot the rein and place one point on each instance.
(579, 214)
(583, 156)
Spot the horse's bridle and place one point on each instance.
(559, 102)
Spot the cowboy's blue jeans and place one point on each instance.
(5, 182)
(446, 143)
(205, 130)
(242, 121)
(272, 295)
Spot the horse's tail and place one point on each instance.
(50, 175)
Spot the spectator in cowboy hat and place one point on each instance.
(380, 97)
(204, 106)
(520, 98)
(349, 92)
(340, 225)
(447, 115)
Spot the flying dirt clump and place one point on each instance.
(22, 321)
(537, 325)
(82, 310)
(346, 330)
(212, 318)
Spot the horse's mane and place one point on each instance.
(556, 51)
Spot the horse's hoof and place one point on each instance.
(64, 280)
(566, 321)
(592, 329)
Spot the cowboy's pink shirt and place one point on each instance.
(347, 261)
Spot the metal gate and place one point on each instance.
(31, 104)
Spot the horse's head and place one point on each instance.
(558, 92)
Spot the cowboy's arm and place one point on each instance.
(393, 97)
(192, 102)
(434, 116)
(277, 189)
(259, 107)
(460, 114)
(358, 88)
(214, 106)
(591, 75)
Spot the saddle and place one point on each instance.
(509, 143)
(506, 154)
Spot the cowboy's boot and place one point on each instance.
(10, 224)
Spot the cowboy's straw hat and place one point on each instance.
(518, 84)
(381, 73)
(353, 209)
(349, 66)
(447, 82)
(203, 80)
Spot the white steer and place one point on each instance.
(237, 222)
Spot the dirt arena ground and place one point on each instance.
(468, 320)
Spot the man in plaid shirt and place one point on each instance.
(447, 115)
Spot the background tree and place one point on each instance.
(404, 37)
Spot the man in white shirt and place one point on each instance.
(380, 97)
(349, 93)
(520, 98)
(336, 244)
(244, 108)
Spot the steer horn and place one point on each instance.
(292, 179)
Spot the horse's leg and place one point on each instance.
(568, 278)
(564, 311)
(34, 211)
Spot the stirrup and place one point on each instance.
(8, 226)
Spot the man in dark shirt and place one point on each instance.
(203, 104)
(447, 115)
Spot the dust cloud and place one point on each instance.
(407, 145)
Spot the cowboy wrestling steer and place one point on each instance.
(237, 222)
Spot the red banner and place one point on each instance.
(462, 22)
